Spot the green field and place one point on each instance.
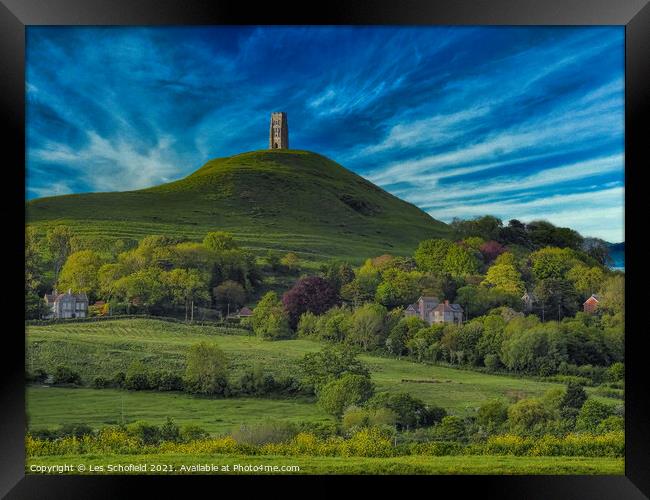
(49, 407)
(105, 347)
(349, 465)
(306, 203)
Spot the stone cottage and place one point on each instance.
(430, 310)
(66, 305)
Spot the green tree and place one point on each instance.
(270, 320)
(527, 414)
(59, 245)
(460, 262)
(492, 414)
(506, 278)
(431, 254)
(291, 262)
(574, 397)
(552, 263)
(398, 288)
(335, 396)
(368, 326)
(219, 241)
(229, 293)
(451, 428)
(592, 413)
(586, 280)
(206, 369)
(80, 272)
(186, 286)
(612, 294)
(331, 363)
(142, 287)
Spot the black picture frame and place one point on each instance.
(15, 15)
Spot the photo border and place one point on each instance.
(15, 15)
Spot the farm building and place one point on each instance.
(591, 304)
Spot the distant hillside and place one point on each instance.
(617, 253)
(285, 200)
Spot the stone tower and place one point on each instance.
(279, 131)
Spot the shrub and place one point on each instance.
(450, 428)
(118, 379)
(349, 390)
(145, 432)
(491, 362)
(168, 381)
(137, 382)
(192, 432)
(492, 414)
(611, 424)
(100, 382)
(169, 431)
(65, 375)
(616, 372)
(592, 413)
(411, 412)
(39, 376)
(265, 432)
(206, 370)
(527, 414)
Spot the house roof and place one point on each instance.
(52, 297)
(245, 311)
(425, 298)
(594, 297)
(446, 307)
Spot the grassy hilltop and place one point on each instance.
(286, 200)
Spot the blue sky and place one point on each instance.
(517, 122)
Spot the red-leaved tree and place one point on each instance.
(491, 250)
(313, 294)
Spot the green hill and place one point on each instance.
(285, 200)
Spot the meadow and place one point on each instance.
(102, 348)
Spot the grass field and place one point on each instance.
(49, 407)
(349, 465)
(104, 347)
(308, 204)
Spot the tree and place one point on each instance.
(505, 278)
(337, 395)
(586, 280)
(398, 288)
(552, 263)
(431, 254)
(491, 250)
(492, 414)
(402, 332)
(206, 369)
(313, 294)
(331, 363)
(460, 262)
(58, 242)
(451, 428)
(574, 397)
(144, 287)
(185, 287)
(526, 414)
(270, 320)
(229, 293)
(291, 262)
(557, 298)
(80, 272)
(368, 326)
(411, 412)
(612, 294)
(592, 413)
(219, 241)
